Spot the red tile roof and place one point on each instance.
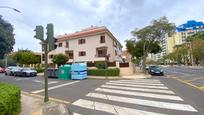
(82, 33)
(86, 32)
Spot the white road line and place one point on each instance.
(76, 113)
(122, 84)
(38, 81)
(142, 80)
(150, 103)
(18, 79)
(52, 82)
(54, 87)
(151, 95)
(138, 83)
(138, 89)
(113, 109)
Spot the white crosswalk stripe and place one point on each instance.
(159, 96)
(138, 89)
(138, 83)
(131, 92)
(146, 86)
(111, 108)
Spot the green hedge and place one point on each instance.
(40, 69)
(10, 99)
(101, 72)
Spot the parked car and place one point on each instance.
(2, 70)
(25, 72)
(10, 70)
(155, 70)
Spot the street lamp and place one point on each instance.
(14, 9)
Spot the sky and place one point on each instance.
(68, 16)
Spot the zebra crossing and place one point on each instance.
(126, 97)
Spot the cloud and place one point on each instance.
(120, 16)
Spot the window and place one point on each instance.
(70, 54)
(67, 44)
(43, 57)
(60, 45)
(82, 53)
(50, 56)
(82, 41)
(102, 39)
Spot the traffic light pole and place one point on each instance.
(48, 45)
(46, 98)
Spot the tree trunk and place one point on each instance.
(143, 63)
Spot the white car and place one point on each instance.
(9, 70)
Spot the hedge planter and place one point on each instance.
(101, 72)
(10, 99)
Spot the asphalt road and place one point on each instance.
(156, 96)
(192, 76)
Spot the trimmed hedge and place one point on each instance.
(101, 72)
(10, 99)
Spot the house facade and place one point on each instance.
(88, 45)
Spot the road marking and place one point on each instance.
(52, 82)
(195, 79)
(150, 103)
(38, 81)
(202, 87)
(143, 86)
(54, 87)
(138, 83)
(139, 89)
(113, 109)
(77, 114)
(151, 95)
(187, 83)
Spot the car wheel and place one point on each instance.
(5, 73)
(24, 75)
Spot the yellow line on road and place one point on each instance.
(185, 82)
(195, 79)
(50, 98)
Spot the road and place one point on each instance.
(159, 95)
(188, 75)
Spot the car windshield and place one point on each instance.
(27, 69)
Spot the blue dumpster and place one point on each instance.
(79, 71)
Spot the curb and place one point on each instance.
(42, 97)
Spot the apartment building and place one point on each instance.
(90, 44)
(179, 37)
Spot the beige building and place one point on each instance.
(91, 44)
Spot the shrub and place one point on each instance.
(40, 69)
(100, 64)
(101, 72)
(10, 103)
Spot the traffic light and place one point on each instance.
(50, 37)
(39, 34)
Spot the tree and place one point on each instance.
(197, 42)
(25, 57)
(135, 48)
(196, 36)
(198, 50)
(6, 37)
(151, 33)
(60, 59)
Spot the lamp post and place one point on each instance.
(14, 9)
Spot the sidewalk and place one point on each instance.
(33, 105)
